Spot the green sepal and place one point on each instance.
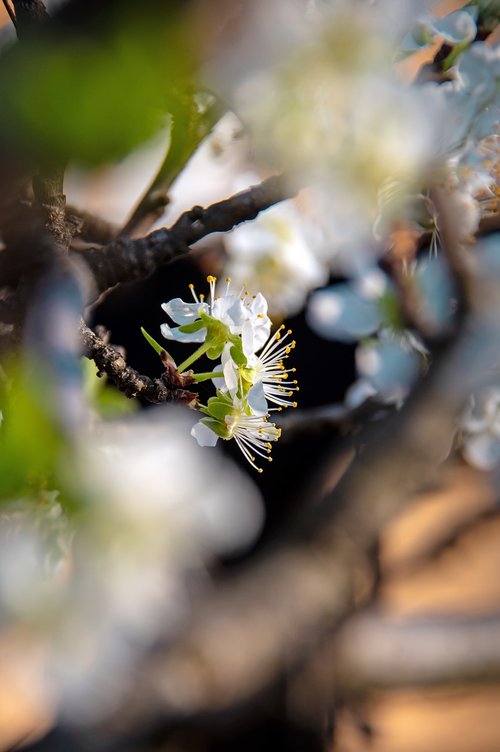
(195, 326)
(388, 304)
(216, 426)
(237, 353)
(215, 351)
(220, 406)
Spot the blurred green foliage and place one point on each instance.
(104, 399)
(92, 98)
(38, 456)
(31, 443)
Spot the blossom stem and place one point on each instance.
(202, 349)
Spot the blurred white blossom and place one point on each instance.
(277, 254)
(157, 509)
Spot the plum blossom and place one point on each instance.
(251, 373)
(214, 321)
(230, 418)
(262, 378)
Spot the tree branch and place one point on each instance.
(89, 227)
(126, 379)
(125, 260)
(10, 12)
(185, 137)
(372, 651)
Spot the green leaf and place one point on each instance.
(154, 344)
(216, 426)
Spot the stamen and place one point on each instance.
(196, 299)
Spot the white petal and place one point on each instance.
(340, 313)
(456, 27)
(184, 313)
(219, 381)
(204, 435)
(179, 336)
(257, 399)
(230, 371)
(482, 451)
(258, 305)
(229, 310)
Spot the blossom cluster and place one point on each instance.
(250, 377)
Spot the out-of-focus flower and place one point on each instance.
(471, 99)
(276, 255)
(480, 426)
(349, 311)
(389, 366)
(157, 509)
(367, 310)
(455, 28)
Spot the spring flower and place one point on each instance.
(251, 372)
(213, 322)
(231, 419)
(260, 378)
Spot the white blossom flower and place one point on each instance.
(230, 418)
(455, 28)
(388, 365)
(214, 320)
(263, 377)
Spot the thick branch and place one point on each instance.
(124, 260)
(89, 227)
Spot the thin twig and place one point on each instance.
(111, 362)
(183, 142)
(10, 12)
(327, 417)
